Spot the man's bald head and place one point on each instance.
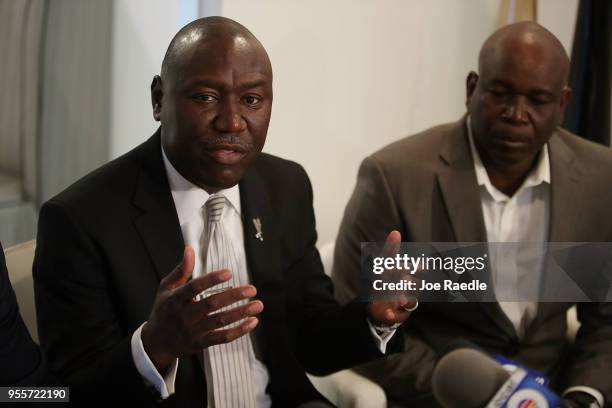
(516, 38)
(203, 32)
(214, 101)
(517, 99)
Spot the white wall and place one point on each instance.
(350, 75)
(142, 30)
(559, 16)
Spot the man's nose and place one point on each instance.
(516, 110)
(229, 119)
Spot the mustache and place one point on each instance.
(227, 139)
(514, 135)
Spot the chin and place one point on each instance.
(510, 158)
(226, 179)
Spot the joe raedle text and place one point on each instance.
(425, 286)
(422, 266)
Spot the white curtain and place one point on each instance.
(75, 101)
(20, 35)
(54, 103)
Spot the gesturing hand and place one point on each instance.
(387, 313)
(179, 325)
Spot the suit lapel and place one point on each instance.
(459, 188)
(262, 258)
(565, 175)
(158, 224)
(256, 208)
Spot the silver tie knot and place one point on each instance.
(214, 207)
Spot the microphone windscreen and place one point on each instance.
(457, 344)
(467, 378)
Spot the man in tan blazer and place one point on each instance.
(505, 172)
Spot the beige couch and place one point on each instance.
(19, 264)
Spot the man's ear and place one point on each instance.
(156, 97)
(470, 85)
(566, 95)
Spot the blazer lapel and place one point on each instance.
(261, 245)
(259, 249)
(158, 225)
(565, 175)
(459, 188)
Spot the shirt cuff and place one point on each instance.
(382, 335)
(146, 368)
(591, 391)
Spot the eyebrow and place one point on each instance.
(211, 83)
(253, 84)
(538, 91)
(541, 92)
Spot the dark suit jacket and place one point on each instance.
(105, 243)
(425, 186)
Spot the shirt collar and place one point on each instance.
(189, 198)
(538, 175)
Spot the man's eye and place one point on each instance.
(500, 93)
(204, 98)
(539, 100)
(252, 100)
(536, 101)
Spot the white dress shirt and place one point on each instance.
(524, 221)
(189, 200)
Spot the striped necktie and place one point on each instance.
(227, 365)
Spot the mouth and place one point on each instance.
(227, 154)
(512, 141)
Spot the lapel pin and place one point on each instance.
(257, 224)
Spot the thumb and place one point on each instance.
(392, 243)
(181, 273)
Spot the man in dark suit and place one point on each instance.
(504, 173)
(119, 319)
(21, 360)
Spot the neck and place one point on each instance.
(508, 178)
(209, 190)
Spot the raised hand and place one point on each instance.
(180, 325)
(388, 313)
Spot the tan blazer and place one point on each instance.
(425, 187)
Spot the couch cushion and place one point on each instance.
(10, 188)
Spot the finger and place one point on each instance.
(220, 300)
(393, 315)
(393, 243)
(222, 319)
(398, 315)
(198, 285)
(408, 303)
(390, 312)
(402, 310)
(228, 335)
(181, 273)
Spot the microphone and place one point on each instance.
(509, 365)
(467, 378)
